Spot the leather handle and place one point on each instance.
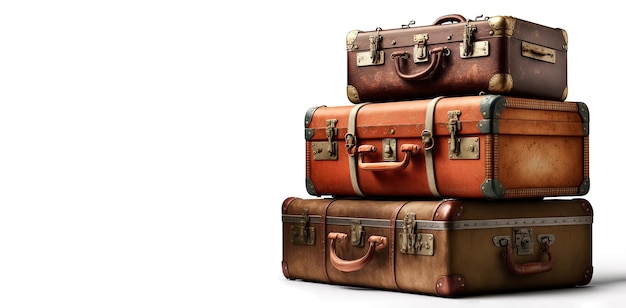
(376, 242)
(528, 268)
(408, 149)
(449, 18)
(435, 63)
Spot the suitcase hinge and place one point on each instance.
(419, 50)
(412, 242)
(327, 150)
(303, 233)
(460, 148)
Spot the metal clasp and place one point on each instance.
(303, 233)
(522, 240)
(454, 125)
(357, 234)
(327, 150)
(467, 46)
(419, 50)
(375, 56)
(412, 242)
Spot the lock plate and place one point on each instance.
(302, 233)
(478, 49)
(524, 241)
(365, 58)
(521, 239)
(389, 149)
(468, 148)
(327, 150)
(357, 234)
(413, 242)
(320, 151)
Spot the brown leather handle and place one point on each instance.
(408, 149)
(528, 268)
(449, 18)
(376, 242)
(435, 63)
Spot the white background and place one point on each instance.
(146, 146)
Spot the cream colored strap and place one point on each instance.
(351, 146)
(428, 143)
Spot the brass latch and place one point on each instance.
(461, 148)
(327, 150)
(454, 125)
(389, 149)
(412, 242)
(357, 234)
(375, 56)
(522, 240)
(420, 54)
(469, 48)
(303, 233)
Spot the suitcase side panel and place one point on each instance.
(512, 148)
(459, 241)
(499, 65)
(304, 242)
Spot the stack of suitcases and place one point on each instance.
(457, 168)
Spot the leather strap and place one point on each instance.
(392, 244)
(351, 135)
(429, 123)
(324, 239)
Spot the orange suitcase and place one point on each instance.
(485, 146)
(448, 248)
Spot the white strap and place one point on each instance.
(428, 154)
(351, 134)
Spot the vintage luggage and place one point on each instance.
(484, 146)
(448, 247)
(454, 56)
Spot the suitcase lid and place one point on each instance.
(467, 115)
(442, 214)
(455, 28)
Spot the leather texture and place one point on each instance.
(500, 67)
(465, 260)
(526, 148)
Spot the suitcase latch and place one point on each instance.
(375, 56)
(522, 240)
(419, 50)
(327, 150)
(303, 233)
(470, 49)
(467, 46)
(412, 242)
(357, 234)
(460, 148)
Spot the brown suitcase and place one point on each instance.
(448, 248)
(487, 146)
(454, 56)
